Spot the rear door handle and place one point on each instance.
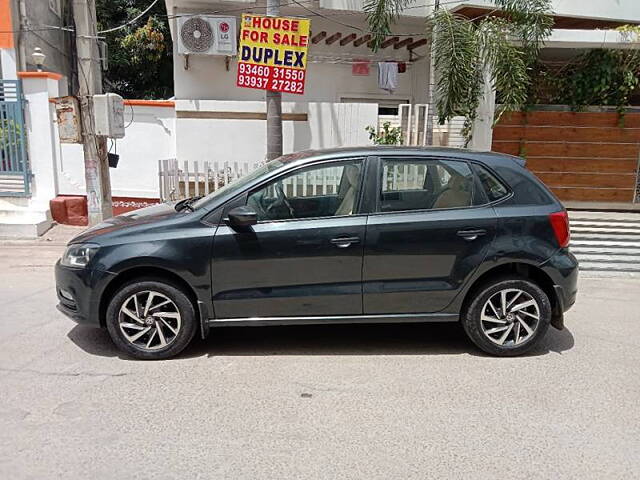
(344, 242)
(471, 234)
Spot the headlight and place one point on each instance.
(78, 256)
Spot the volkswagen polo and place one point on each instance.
(369, 235)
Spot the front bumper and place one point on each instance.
(79, 292)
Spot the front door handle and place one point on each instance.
(471, 234)
(344, 242)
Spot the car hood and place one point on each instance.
(143, 216)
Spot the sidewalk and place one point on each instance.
(57, 235)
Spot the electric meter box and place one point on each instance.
(108, 115)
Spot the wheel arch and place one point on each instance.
(526, 270)
(147, 272)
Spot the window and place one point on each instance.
(493, 188)
(416, 184)
(320, 191)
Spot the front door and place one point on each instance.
(304, 257)
(426, 238)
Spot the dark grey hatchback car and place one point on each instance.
(370, 235)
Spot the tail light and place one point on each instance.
(560, 224)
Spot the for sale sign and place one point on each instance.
(273, 53)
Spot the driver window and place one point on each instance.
(326, 190)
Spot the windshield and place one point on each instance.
(238, 185)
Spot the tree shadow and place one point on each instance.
(377, 339)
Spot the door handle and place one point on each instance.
(344, 242)
(471, 234)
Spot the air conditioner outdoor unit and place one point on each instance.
(206, 35)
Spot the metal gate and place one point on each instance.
(14, 165)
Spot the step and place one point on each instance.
(609, 267)
(604, 258)
(604, 224)
(604, 216)
(605, 230)
(609, 274)
(602, 243)
(622, 221)
(588, 237)
(613, 252)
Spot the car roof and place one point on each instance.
(489, 158)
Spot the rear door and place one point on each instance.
(426, 237)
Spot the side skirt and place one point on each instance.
(344, 319)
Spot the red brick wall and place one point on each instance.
(72, 210)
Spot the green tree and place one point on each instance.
(506, 42)
(141, 54)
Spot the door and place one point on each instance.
(304, 257)
(426, 237)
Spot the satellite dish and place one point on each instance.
(196, 35)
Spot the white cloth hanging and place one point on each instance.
(388, 76)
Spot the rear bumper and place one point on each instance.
(562, 268)
(79, 291)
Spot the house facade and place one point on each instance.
(337, 90)
(342, 96)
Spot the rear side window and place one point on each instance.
(493, 188)
(425, 184)
(527, 190)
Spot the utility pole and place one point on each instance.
(432, 82)
(274, 104)
(96, 166)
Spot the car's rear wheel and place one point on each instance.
(151, 319)
(508, 316)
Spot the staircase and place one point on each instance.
(606, 243)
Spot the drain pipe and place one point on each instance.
(22, 37)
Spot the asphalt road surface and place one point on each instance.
(357, 402)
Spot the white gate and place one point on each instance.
(180, 180)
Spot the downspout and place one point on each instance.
(22, 36)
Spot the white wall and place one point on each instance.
(244, 141)
(156, 134)
(149, 138)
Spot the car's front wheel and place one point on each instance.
(508, 316)
(151, 319)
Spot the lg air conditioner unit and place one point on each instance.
(206, 35)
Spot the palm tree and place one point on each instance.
(505, 42)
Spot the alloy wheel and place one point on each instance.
(510, 317)
(149, 320)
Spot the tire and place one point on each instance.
(170, 311)
(486, 325)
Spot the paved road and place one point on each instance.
(366, 402)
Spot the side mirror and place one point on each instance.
(242, 217)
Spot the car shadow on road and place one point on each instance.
(391, 339)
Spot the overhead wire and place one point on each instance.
(132, 21)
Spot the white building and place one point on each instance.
(336, 107)
(339, 104)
